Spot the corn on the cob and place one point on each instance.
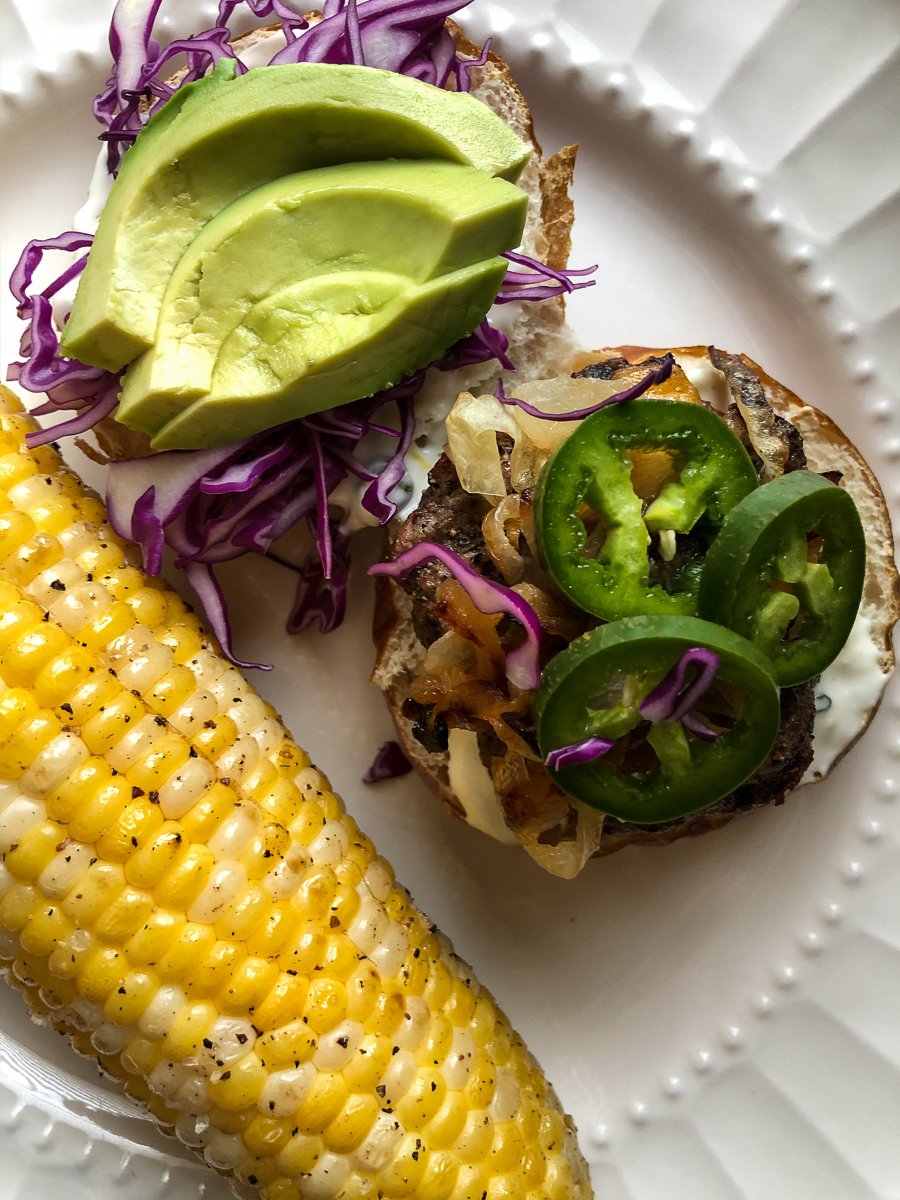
(182, 894)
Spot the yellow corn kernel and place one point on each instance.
(125, 915)
(288, 1045)
(148, 605)
(216, 968)
(193, 943)
(184, 639)
(23, 659)
(61, 676)
(155, 856)
(16, 706)
(26, 742)
(439, 1178)
(91, 695)
(33, 556)
(102, 811)
(248, 985)
(217, 736)
(45, 927)
(280, 927)
(406, 1169)
(239, 1086)
(266, 1135)
(366, 1069)
(117, 619)
(136, 823)
(191, 1025)
(447, 1125)
(172, 690)
(322, 1103)
(186, 878)
(201, 821)
(123, 582)
(141, 1055)
(285, 998)
(132, 995)
(351, 1124)
(100, 973)
(34, 850)
(423, 1100)
(111, 722)
(15, 528)
(326, 1004)
(148, 944)
(17, 906)
(299, 1156)
(95, 891)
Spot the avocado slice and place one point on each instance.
(328, 340)
(223, 136)
(416, 220)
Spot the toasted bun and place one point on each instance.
(400, 654)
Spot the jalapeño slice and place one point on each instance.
(656, 770)
(628, 505)
(786, 572)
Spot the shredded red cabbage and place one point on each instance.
(389, 763)
(671, 700)
(522, 664)
(578, 753)
(540, 281)
(674, 698)
(657, 374)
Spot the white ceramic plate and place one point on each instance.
(722, 1017)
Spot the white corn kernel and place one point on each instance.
(329, 847)
(138, 658)
(185, 787)
(156, 1019)
(224, 1150)
(79, 606)
(375, 1152)
(415, 1024)
(458, 1066)
(223, 887)
(134, 744)
(46, 587)
(338, 1046)
(17, 819)
(326, 1178)
(235, 832)
(398, 1077)
(507, 1097)
(64, 870)
(55, 762)
(369, 925)
(284, 1090)
(197, 709)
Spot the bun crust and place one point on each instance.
(400, 653)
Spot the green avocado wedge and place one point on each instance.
(416, 220)
(223, 136)
(328, 340)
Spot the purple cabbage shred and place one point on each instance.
(523, 663)
(389, 763)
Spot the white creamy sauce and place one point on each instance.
(846, 693)
(471, 784)
(709, 381)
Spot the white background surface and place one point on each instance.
(721, 1017)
